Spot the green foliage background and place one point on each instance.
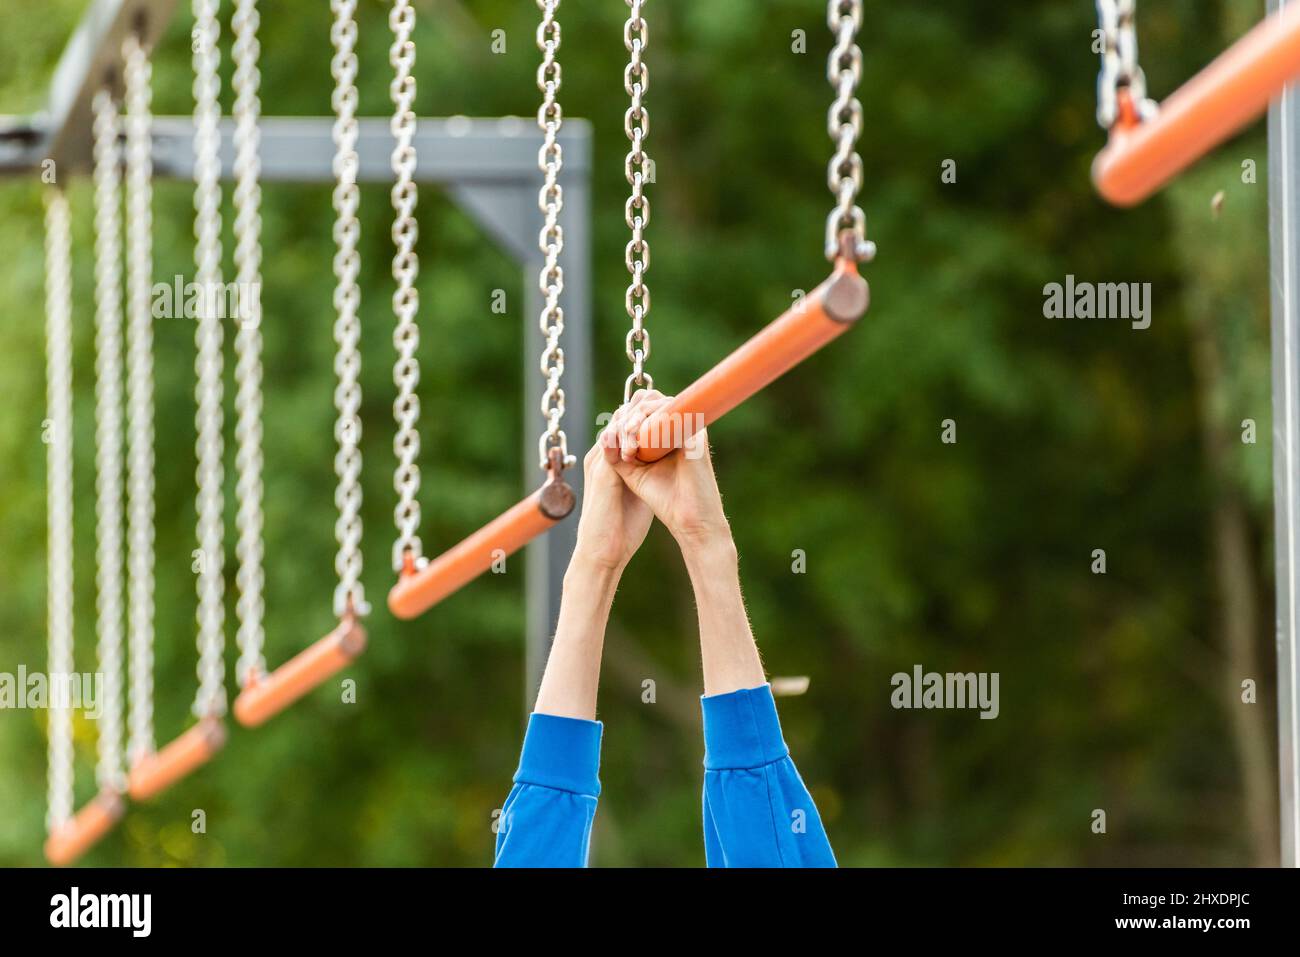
(974, 556)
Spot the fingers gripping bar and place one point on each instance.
(827, 312)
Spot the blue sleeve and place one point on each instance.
(546, 820)
(757, 812)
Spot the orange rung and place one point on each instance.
(162, 769)
(823, 314)
(1210, 107)
(83, 830)
(418, 590)
(268, 695)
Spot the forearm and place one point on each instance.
(727, 649)
(546, 821)
(572, 673)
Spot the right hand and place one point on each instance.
(680, 488)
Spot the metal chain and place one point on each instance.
(58, 385)
(349, 596)
(211, 698)
(550, 200)
(406, 298)
(636, 167)
(844, 124)
(1119, 63)
(110, 771)
(249, 577)
(138, 74)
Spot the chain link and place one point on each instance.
(636, 167)
(110, 771)
(58, 384)
(211, 698)
(249, 577)
(1119, 63)
(349, 595)
(844, 124)
(138, 75)
(406, 298)
(550, 200)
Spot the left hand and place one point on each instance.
(614, 521)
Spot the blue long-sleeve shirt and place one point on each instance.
(757, 811)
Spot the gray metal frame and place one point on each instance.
(1284, 247)
(488, 166)
(62, 132)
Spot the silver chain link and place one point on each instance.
(1119, 63)
(58, 385)
(844, 124)
(550, 200)
(349, 595)
(249, 577)
(211, 698)
(110, 770)
(138, 74)
(406, 298)
(636, 167)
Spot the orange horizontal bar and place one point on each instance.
(1210, 107)
(84, 829)
(162, 769)
(419, 590)
(822, 315)
(268, 695)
